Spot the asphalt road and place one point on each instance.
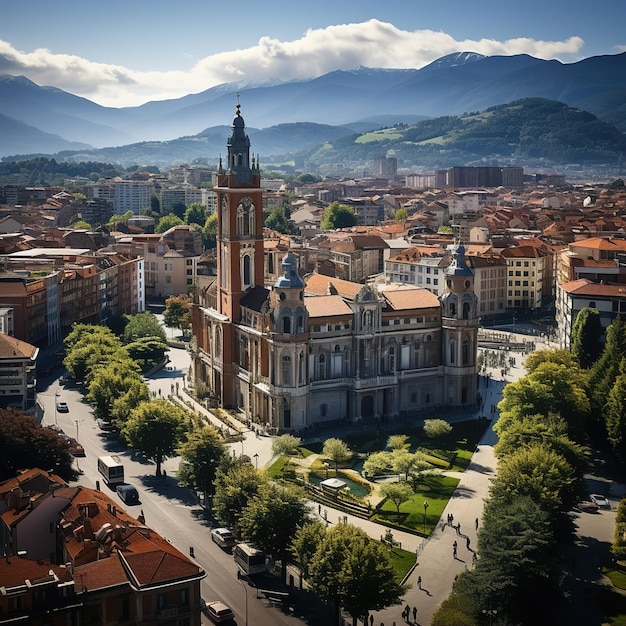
(169, 509)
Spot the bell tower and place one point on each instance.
(240, 222)
(459, 332)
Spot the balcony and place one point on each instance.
(331, 383)
(376, 382)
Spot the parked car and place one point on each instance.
(76, 449)
(223, 537)
(128, 494)
(62, 407)
(600, 500)
(587, 507)
(217, 611)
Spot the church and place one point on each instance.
(316, 349)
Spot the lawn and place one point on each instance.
(437, 490)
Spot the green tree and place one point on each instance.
(517, 560)
(201, 454)
(398, 442)
(378, 463)
(88, 346)
(305, 543)
(168, 221)
(156, 428)
(353, 572)
(541, 474)
(155, 204)
(618, 547)
(436, 428)
(177, 312)
(143, 325)
(82, 225)
(539, 357)
(271, 519)
(209, 231)
(110, 382)
(338, 215)
(605, 370)
(401, 215)
(178, 209)
(195, 213)
(25, 444)
(235, 486)
(337, 451)
(279, 219)
(286, 445)
(398, 493)
(147, 352)
(586, 337)
(615, 415)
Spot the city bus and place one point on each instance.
(112, 469)
(249, 560)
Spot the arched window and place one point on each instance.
(286, 370)
(452, 309)
(452, 352)
(392, 359)
(218, 342)
(466, 352)
(321, 367)
(301, 369)
(286, 325)
(466, 310)
(246, 271)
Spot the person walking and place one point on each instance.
(415, 614)
(419, 582)
(454, 548)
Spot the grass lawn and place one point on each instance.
(402, 561)
(437, 490)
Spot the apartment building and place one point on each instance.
(123, 195)
(17, 373)
(490, 284)
(528, 286)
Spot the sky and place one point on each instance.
(127, 52)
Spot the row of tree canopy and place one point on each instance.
(567, 399)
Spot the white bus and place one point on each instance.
(111, 469)
(249, 560)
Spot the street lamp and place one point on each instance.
(425, 509)
(56, 395)
(256, 460)
(77, 437)
(491, 613)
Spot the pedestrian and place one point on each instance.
(419, 582)
(414, 613)
(468, 542)
(454, 548)
(407, 612)
(476, 523)
(458, 528)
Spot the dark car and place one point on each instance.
(128, 494)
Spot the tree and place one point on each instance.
(338, 215)
(147, 352)
(378, 463)
(195, 213)
(177, 312)
(618, 547)
(398, 442)
(168, 221)
(353, 572)
(178, 209)
(142, 325)
(605, 370)
(87, 346)
(305, 543)
(155, 204)
(541, 474)
(110, 382)
(24, 444)
(539, 357)
(286, 445)
(586, 337)
(156, 428)
(436, 428)
(235, 486)
(271, 518)
(337, 451)
(201, 454)
(398, 493)
(209, 231)
(413, 465)
(615, 415)
(401, 215)
(279, 219)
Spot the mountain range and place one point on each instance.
(294, 116)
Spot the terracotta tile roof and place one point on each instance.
(585, 287)
(12, 347)
(600, 243)
(326, 306)
(407, 299)
(15, 571)
(320, 285)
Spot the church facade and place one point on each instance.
(305, 351)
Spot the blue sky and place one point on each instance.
(127, 52)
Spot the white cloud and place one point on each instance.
(344, 46)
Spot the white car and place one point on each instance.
(600, 500)
(223, 537)
(217, 611)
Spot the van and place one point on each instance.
(128, 494)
